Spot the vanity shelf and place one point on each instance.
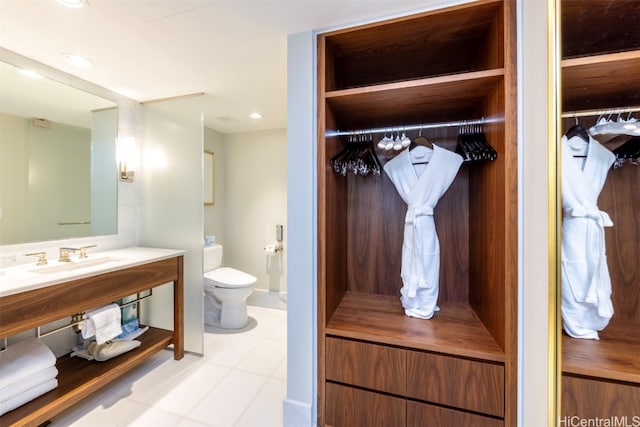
(78, 378)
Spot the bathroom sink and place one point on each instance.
(75, 265)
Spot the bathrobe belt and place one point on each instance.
(418, 277)
(602, 219)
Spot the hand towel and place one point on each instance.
(13, 390)
(103, 322)
(102, 352)
(27, 396)
(22, 359)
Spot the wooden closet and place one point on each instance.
(376, 366)
(601, 71)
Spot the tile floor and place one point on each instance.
(240, 382)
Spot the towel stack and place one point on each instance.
(27, 370)
(103, 322)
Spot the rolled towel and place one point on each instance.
(23, 359)
(27, 396)
(103, 322)
(15, 389)
(102, 352)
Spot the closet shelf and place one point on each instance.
(78, 378)
(600, 81)
(616, 356)
(444, 98)
(454, 330)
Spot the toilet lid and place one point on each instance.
(227, 277)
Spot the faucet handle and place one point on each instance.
(83, 250)
(42, 257)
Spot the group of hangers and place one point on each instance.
(359, 157)
(473, 145)
(607, 128)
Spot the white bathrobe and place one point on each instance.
(421, 186)
(586, 286)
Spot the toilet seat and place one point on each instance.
(227, 277)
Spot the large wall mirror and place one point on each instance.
(600, 184)
(58, 174)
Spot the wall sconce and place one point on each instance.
(127, 155)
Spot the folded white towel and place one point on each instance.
(13, 390)
(23, 359)
(27, 396)
(103, 322)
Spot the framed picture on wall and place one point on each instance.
(209, 167)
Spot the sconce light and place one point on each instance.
(127, 155)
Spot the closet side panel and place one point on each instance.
(487, 227)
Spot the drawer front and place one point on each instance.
(366, 365)
(352, 407)
(421, 414)
(461, 383)
(591, 398)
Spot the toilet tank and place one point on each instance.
(211, 257)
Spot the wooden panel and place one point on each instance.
(79, 378)
(451, 381)
(455, 329)
(30, 309)
(351, 407)
(590, 399)
(421, 415)
(429, 44)
(367, 365)
(436, 99)
(600, 82)
(604, 26)
(615, 356)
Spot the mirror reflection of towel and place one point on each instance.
(111, 349)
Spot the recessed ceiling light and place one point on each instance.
(77, 60)
(29, 73)
(255, 115)
(73, 3)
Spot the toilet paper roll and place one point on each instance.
(272, 249)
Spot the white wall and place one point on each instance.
(255, 200)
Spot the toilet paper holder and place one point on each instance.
(273, 248)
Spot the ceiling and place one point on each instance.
(233, 51)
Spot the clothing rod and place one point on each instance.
(80, 317)
(585, 113)
(458, 123)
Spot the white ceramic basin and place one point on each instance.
(75, 265)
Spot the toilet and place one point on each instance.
(225, 291)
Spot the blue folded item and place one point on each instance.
(128, 328)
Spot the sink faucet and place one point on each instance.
(65, 252)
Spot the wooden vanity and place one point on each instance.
(77, 377)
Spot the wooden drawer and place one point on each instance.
(352, 407)
(452, 381)
(421, 414)
(592, 398)
(366, 365)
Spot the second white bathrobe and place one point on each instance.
(421, 186)
(586, 285)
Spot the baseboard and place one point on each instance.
(296, 414)
(268, 299)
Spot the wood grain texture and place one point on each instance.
(30, 309)
(452, 381)
(455, 329)
(589, 399)
(79, 378)
(616, 356)
(367, 365)
(351, 407)
(429, 44)
(601, 81)
(421, 415)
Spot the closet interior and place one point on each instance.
(601, 74)
(377, 366)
